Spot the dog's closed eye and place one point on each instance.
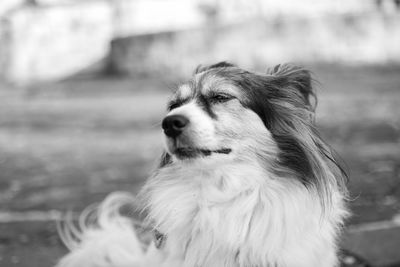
(221, 98)
(177, 103)
(174, 105)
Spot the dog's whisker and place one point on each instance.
(156, 125)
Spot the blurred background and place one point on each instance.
(83, 86)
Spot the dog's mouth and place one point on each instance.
(189, 152)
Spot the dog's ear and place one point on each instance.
(293, 128)
(297, 81)
(222, 64)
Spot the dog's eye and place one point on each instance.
(174, 105)
(220, 98)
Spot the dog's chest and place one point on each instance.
(207, 213)
(238, 216)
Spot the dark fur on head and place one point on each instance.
(284, 99)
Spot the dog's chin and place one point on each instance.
(186, 153)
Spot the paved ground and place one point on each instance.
(68, 144)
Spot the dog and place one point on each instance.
(245, 181)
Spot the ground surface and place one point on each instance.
(66, 145)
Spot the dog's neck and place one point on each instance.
(239, 214)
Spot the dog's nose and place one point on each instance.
(174, 125)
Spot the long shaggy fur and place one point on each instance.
(249, 182)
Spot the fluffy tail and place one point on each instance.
(104, 237)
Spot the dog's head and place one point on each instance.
(227, 114)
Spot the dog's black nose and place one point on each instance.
(174, 125)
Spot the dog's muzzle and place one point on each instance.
(174, 125)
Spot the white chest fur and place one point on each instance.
(239, 215)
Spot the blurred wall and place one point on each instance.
(254, 33)
(50, 41)
(53, 39)
(347, 39)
